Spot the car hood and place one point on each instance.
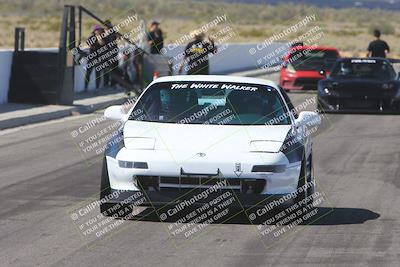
(200, 138)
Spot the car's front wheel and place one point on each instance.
(107, 209)
(306, 181)
(113, 209)
(320, 107)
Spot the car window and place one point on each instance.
(211, 103)
(313, 59)
(368, 68)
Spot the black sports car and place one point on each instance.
(360, 84)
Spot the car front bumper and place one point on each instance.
(349, 103)
(167, 174)
(180, 200)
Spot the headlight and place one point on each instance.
(387, 86)
(265, 146)
(139, 143)
(290, 68)
(328, 89)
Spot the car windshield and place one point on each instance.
(212, 103)
(364, 68)
(310, 59)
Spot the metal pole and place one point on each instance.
(16, 40)
(22, 45)
(80, 24)
(71, 29)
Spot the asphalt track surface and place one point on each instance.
(44, 175)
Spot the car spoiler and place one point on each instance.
(393, 60)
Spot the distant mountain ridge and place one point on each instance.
(369, 4)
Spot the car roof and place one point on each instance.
(306, 47)
(214, 78)
(295, 49)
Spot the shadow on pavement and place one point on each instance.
(337, 216)
(323, 216)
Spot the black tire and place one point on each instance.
(105, 182)
(310, 179)
(305, 177)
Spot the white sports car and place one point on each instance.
(188, 134)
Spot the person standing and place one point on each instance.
(196, 55)
(95, 42)
(155, 38)
(113, 54)
(378, 47)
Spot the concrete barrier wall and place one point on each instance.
(5, 73)
(79, 82)
(230, 58)
(5, 69)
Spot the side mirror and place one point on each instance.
(114, 113)
(308, 118)
(322, 73)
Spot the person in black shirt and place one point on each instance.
(95, 43)
(378, 47)
(112, 54)
(155, 38)
(196, 55)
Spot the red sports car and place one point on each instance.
(302, 65)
